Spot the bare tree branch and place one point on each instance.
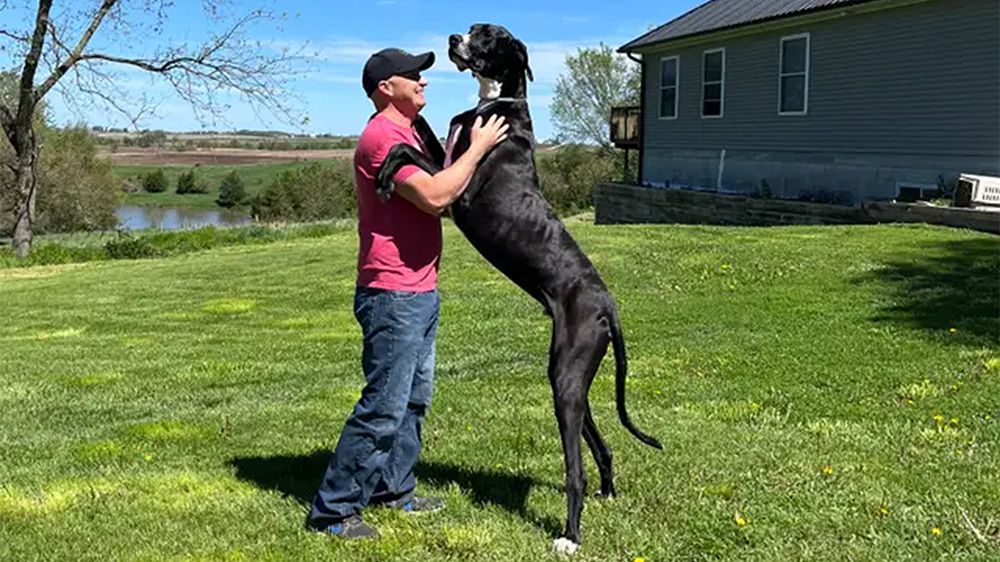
(78, 50)
(94, 83)
(11, 35)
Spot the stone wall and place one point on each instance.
(619, 203)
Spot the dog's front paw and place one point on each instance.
(562, 545)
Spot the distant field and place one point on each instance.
(219, 156)
(255, 178)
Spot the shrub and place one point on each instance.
(232, 193)
(316, 191)
(76, 189)
(52, 254)
(129, 248)
(188, 183)
(154, 182)
(569, 175)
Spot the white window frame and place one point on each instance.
(676, 87)
(721, 83)
(781, 65)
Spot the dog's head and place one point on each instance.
(495, 57)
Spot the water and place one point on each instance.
(132, 217)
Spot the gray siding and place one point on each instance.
(900, 95)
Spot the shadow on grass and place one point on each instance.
(953, 284)
(299, 476)
(508, 491)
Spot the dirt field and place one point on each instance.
(218, 156)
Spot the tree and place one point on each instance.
(186, 183)
(154, 182)
(232, 193)
(227, 61)
(596, 80)
(77, 190)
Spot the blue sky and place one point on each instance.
(342, 34)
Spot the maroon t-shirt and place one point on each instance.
(400, 245)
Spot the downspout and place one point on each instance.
(642, 115)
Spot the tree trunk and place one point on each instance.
(25, 193)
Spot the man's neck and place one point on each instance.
(396, 116)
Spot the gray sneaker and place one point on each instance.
(352, 528)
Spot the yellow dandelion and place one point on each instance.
(883, 511)
(939, 418)
(741, 521)
(952, 331)
(148, 457)
(936, 531)
(954, 421)
(909, 402)
(639, 559)
(827, 469)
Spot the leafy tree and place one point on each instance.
(186, 182)
(154, 182)
(596, 79)
(316, 191)
(232, 192)
(77, 190)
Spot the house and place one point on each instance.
(825, 100)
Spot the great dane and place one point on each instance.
(504, 216)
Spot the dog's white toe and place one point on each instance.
(563, 545)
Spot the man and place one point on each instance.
(396, 302)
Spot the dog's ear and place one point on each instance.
(522, 53)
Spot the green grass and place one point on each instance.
(255, 178)
(823, 393)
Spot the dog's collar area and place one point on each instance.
(484, 103)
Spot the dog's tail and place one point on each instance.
(621, 368)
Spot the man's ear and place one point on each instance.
(522, 54)
(384, 89)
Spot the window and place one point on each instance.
(713, 82)
(669, 81)
(793, 75)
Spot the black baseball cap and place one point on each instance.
(391, 62)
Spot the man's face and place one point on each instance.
(405, 91)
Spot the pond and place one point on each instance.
(133, 217)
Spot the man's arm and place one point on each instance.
(435, 193)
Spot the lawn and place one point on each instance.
(822, 393)
(255, 178)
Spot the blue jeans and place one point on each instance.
(378, 448)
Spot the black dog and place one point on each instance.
(503, 214)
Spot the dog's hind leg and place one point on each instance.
(577, 349)
(570, 401)
(602, 455)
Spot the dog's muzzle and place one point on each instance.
(458, 51)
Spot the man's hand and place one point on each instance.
(485, 136)
(433, 194)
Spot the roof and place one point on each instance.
(716, 15)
